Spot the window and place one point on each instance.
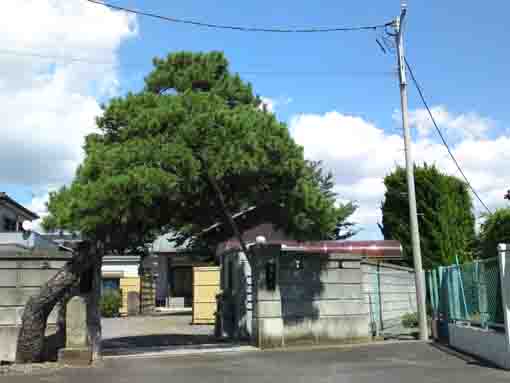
(9, 224)
(110, 284)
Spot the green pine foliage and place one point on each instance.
(142, 173)
(446, 219)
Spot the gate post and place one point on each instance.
(504, 273)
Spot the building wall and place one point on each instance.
(5, 212)
(127, 271)
(317, 299)
(174, 281)
(21, 276)
(12, 213)
(162, 285)
(390, 292)
(27, 240)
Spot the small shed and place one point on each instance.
(289, 292)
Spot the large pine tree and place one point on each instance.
(145, 172)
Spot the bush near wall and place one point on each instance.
(410, 320)
(110, 304)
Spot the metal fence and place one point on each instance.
(470, 292)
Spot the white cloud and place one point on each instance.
(268, 104)
(457, 126)
(38, 206)
(360, 154)
(48, 106)
(271, 103)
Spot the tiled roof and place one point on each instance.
(4, 197)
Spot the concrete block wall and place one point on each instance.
(390, 292)
(317, 300)
(21, 276)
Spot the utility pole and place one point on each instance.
(415, 233)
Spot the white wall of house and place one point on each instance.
(128, 271)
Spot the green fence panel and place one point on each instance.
(468, 292)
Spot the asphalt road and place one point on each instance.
(391, 363)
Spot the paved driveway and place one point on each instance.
(154, 331)
(391, 363)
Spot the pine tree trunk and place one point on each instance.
(30, 345)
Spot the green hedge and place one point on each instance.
(410, 320)
(110, 304)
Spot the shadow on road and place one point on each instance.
(469, 359)
(157, 340)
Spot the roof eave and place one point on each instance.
(4, 197)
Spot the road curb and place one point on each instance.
(150, 352)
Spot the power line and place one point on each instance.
(54, 57)
(418, 88)
(240, 28)
(85, 60)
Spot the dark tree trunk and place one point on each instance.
(30, 345)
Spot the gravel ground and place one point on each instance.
(28, 369)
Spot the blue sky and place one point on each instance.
(456, 47)
(336, 91)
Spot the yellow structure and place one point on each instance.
(206, 285)
(128, 285)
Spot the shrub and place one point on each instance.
(110, 303)
(410, 320)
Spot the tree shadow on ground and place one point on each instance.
(157, 340)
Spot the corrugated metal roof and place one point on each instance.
(370, 249)
(166, 244)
